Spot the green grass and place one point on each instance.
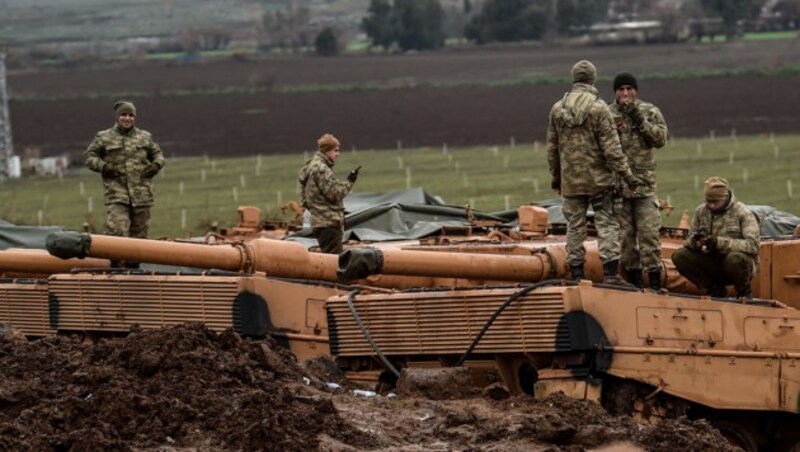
(756, 36)
(485, 177)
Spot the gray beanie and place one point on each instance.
(124, 107)
(584, 72)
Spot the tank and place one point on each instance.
(496, 304)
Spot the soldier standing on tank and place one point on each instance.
(128, 159)
(642, 130)
(723, 244)
(323, 195)
(584, 155)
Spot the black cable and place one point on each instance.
(516, 295)
(366, 334)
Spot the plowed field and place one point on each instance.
(280, 105)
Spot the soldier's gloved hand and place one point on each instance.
(353, 176)
(636, 115)
(110, 171)
(633, 182)
(150, 171)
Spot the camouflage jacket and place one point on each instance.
(736, 228)
(322, 193)
(639, 144)
(583, 149)
(130, 153)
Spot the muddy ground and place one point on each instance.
(60, 111)
(189, 388)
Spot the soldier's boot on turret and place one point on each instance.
(635, 277)
(576, 272)
(611, 275)
(655, 279)
(717, 290)
(745, 292)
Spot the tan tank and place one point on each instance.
(459, 301)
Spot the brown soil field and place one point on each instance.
(189, 388)
(59, 111)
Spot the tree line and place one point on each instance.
(404, 25)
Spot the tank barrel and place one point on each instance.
(15, 261)
(358, 263)
(273, 257)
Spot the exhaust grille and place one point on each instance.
(114, 303)
(426, 323)
(24, 306)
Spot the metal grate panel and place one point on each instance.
(24, 306)
(117, 302)
(446, 322)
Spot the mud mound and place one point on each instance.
(184, 386)
(187, 387)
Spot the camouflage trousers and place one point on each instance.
(705, 270)
(639, 225)
(330, 240)
(574, 209)
(126, 221)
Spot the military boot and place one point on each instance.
(655, 279)
(635, 277)
(611, 275)
(717, 290)
(576, 271)
(745, 292)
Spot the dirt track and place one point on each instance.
(275, 122)
(188, 387)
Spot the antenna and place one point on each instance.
(6, 144)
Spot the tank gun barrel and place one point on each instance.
(16, 261)
(358, 263)
(273, 257)
(292, 260)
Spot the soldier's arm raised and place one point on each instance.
(653, 127)
(333, 190)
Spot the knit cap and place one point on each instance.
(716, 189)
(124, 106)
(623, 79)
(584, 72)
(327, 142)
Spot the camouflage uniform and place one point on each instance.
(584, 154)
(640, 133)
(129, 194)
(735, 259)
(323, 195)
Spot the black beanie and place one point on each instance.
(625, 78)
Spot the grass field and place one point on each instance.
(762, 170)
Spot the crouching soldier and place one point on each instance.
(723, 244)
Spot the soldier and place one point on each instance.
(642, 130)
(723, 243)
(323, 195)
(584, 154)
(128, 159)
